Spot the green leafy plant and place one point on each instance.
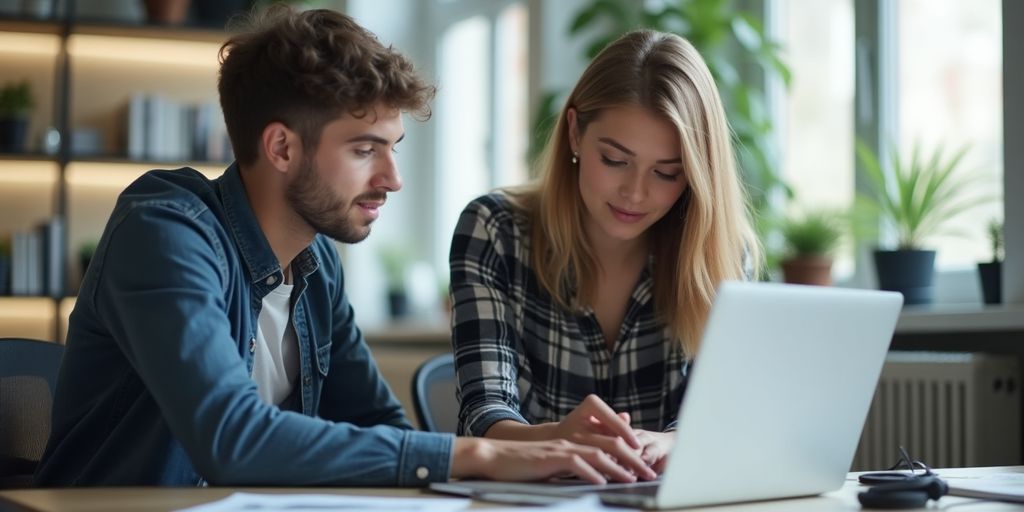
(87, 249)
(85, 253)
(727, 38)
(918, 197)
(16, 99)
(813, 234)
(395, 259)
(995, 237)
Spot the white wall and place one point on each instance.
(406, 218)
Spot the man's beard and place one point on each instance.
(324, 211)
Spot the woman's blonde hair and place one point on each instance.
(662, 72)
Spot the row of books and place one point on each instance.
(37, 260)
(159, 128)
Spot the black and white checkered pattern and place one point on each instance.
(520, 356)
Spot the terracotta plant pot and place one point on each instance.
(816, 270)
(167, 12)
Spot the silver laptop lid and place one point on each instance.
(779, 392)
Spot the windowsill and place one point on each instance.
(961, 318)
(410, 332)
(935, 318)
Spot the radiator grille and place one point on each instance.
(947, 409)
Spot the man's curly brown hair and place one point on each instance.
(306, 69)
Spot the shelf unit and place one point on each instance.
(83, 75)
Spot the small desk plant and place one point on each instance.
(395, 259)
(991, 272)
(915, 200)
(16, 102)
(811, 239)
(5, 264)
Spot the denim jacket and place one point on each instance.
(155, 385)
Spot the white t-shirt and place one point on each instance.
(275, 366)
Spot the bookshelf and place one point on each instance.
(84, 76)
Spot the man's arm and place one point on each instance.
(354, 390)
(161, 292)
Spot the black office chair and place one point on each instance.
(28, 377)
(433, 394)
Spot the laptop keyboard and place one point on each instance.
(637, 489)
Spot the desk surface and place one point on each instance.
(144, 499)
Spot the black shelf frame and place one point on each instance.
(64, 22)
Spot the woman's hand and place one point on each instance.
(594, 423)
(656, 447)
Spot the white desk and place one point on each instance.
(135, 499)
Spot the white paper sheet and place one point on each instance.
(990, 486)
(245, 501)
(589, 503)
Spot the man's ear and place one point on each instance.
(574, 132)
(280, 145)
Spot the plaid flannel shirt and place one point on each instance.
(522, 357)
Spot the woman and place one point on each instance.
(586, 293)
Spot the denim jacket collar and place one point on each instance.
(259, 257)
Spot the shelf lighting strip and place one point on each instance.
(143, 50)
(29, 44)
(120, 175)
(28, 172)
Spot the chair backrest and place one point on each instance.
(28, 376)
(433, 394)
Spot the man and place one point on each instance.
(212, 341)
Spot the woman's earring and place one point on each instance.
(575, 158)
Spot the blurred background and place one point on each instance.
(877, 140)
(110, 88)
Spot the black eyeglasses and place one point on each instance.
(895, 473)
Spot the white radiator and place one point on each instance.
(946, 409)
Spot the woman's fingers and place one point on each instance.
(657, 446)
(595, 408)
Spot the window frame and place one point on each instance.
(876, 123)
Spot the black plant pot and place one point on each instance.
(909, 272)
(398, 304)
(5, 273)
(991, 275)
(13, 132)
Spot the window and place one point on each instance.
(815, 118)
(939, 86)
(949, 95)
(481, 107)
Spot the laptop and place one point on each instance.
(775, 403)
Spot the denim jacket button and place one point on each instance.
(271, 279)
(422, 472)
(252, 345)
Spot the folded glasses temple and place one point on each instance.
(911, 464)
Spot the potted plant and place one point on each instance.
(85, 252)
(5, 266)
(991, 273)
(810, 240)
(16, 102)
(395, 260)
(915, 201)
